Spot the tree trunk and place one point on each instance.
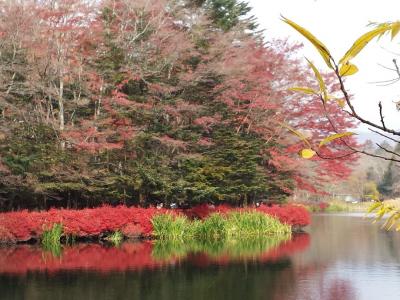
(61, 110)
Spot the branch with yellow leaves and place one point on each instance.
(342, 69)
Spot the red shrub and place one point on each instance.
(132, 221)
(202, 211)
(295, 215)
(322, 206)
(24, 225)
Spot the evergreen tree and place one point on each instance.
(228, 13)
(385, 187)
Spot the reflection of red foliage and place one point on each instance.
(298, 243)
(295, 215)
(130, 256)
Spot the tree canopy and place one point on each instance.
(140, 102)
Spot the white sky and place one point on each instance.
(338, 23)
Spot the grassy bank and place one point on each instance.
(336, 206)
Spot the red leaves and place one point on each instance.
(295, 215)
(24, 225)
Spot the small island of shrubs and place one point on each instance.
(121, 222)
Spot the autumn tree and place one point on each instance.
(139, 102)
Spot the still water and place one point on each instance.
(339, 257)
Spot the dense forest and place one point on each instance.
(154, 101)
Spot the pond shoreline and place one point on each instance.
(130, 222)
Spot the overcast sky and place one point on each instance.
(338, 23)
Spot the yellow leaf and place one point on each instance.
(297, 133)
(362, 41)
(322, 49)
(304, 90)
(321, 82)
(392, 220)
(341, 102)
(395, 29)
(307, 153)
(348, 69)
(374, 206)
(382, 211)
(334, 137)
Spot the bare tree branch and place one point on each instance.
(353, 111)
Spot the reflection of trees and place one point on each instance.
(351, 240)
(132, 272)
(340, 289)
(146, 255)
(311, 282)
(25, 258)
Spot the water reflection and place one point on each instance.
(342, 257)
(145, 255)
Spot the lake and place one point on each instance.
(340, 256)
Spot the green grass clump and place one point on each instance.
(212, 228)
(253, 224)
(170, 227)
(51, 239)
(337, 207)
(218, 226)
(116, 238)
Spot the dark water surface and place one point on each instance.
(341, 257)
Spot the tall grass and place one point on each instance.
(212, 228)
(170, 227)
(218, 226)
(253, 224)
(51, 239)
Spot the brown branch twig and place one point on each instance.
(384, 135)
(387, 150)
(354, 150)
(353, 112)
(381, 115)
